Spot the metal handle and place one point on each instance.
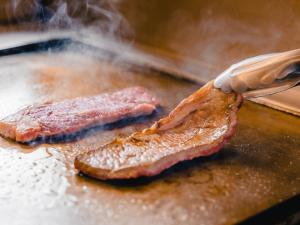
(277, 86)
(262, 75)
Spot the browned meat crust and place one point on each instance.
(199, 126)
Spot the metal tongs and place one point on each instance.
(262, 75)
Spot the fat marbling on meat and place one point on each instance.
(69, 116)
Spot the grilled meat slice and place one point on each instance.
(199, 126)
(69, 116)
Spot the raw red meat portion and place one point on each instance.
(70, 116)
(199, 126)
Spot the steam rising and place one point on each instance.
(101, 16)
(97, 16)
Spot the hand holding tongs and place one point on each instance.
(262, 75)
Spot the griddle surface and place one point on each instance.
(258, 169)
